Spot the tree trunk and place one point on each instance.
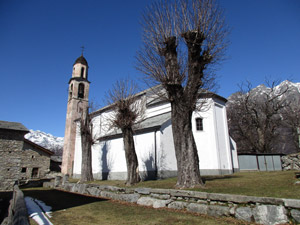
(183, 102)
(86, 163)
(133, 176)
(185, 149)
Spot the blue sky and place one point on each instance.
(40, 40)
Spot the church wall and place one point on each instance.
(158, 109)
(77, 154)
(101, 123)
(205, 142)
(167, 164)
(109, 160)
(146, 150)
(108, 157)
(222, 138)
(77, 70)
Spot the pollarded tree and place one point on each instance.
(183, 39)
(128, 110)
(87, 140)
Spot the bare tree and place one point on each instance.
(127, 111)
(254, 115)
(87, 140)
(291, 118)
(183, 39)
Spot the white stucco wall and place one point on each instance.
(205, 140)
(77, 154)
(158, 109)
(167, 157)
(223, 145)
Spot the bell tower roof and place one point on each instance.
(81, 60)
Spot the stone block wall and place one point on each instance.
(11, 143)
(291, 162)
(32, 158)
(261, 210)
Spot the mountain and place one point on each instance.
(293, 90)
(48, 141)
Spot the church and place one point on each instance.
(153, 136)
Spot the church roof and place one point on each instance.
(13, 126)
(151, 123)
(81, 60)
(157, 95)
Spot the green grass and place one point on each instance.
(278, 184)
(76, 209)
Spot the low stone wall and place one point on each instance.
(17, 211)
(291, 162)
(261, 210)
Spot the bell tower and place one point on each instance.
(77, 102)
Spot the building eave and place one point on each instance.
(38, 146)
(6, 125)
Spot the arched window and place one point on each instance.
(82, 72)
(81, 90)
(71, 91)
(199, 124)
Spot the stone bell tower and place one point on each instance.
(77, 102)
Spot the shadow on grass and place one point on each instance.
(60, 200)
(5, 197)
(224, 177)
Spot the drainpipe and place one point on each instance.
(155, 155)
(231, 149)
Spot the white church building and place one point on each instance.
(153, 136)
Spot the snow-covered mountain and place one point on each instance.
(48, 141)
(293, 90)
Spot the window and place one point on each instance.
(35, 172)
(71, 91)
(199, 124)
(81, 90)
(82, 72)
(23, 170)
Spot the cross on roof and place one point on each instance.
(82, 49)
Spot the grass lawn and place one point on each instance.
(75, 209)
(278, 184)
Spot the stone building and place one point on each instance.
(11, 147)
(35, 161)
(20, 158)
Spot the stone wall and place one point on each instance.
(17, 212)
(291, 162)
(11, 143)
(32, 157)
(261, 210)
